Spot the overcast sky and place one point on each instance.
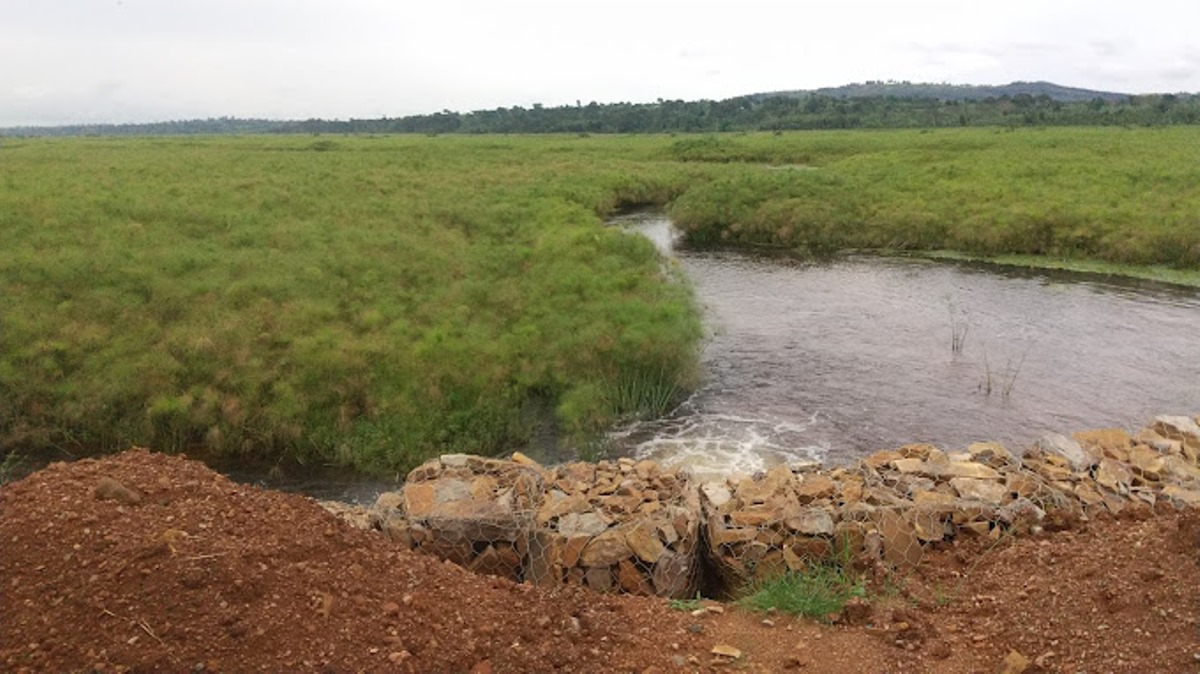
(70, 61)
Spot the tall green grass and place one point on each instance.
(365, 301)
(1117, 195)
(374, 301)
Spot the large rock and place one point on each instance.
(1179, 428)
(1056, 444)
(988, 491)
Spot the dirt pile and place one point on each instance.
(147, 561)
(154, 563)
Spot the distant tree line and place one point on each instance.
(744, 113)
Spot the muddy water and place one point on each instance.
(829, 361)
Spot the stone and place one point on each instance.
(1022, 484)
(484, 487)
(1110, 442)
(726, 651)
(975, 489)
(901, 547)
(572, 548)
(1146, 461)
(931, 498)
(606, 549)
(882, 458)
(752, 518)
(520, 458)
(852, 492)
(556, 504)
(454, 460)
(991, 453)
(108, 489)
(910, 465)
(716, 493)
(631, 580)
(1056, 444)
(1113, 476)
(918, 451)
(672, 575)
(1088, 495)
(1013, 663)
(813, 487)
(928, 525)
(1180, 469)
(812, 522)
(582, 524)
(1177, 428)
(1189, 497)
(967, 469)
(760, 491)
(719, 534)
(643, 540)
(599, 578)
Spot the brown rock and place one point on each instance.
(606, 549)
(1013, 663)
(599, 578)
(928, 525)
(419, 498)
(108, 489)
(991, 453)
(1107, 440)
(811, 522)
(967, 469)
(882, 458)
(1189, 497)
(752, 518)
(1088, 495)
(572, 548)
(520, 458)
(631, 580)
(988, 491)
(643, 540)
(672, 576)
(726, 651)
(813, 487)
(910, 465)
(1147, 461)
(1113, 476)
(901, 547)
(719, 534)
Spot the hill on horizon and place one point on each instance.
(953, 92)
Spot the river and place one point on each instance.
(828, 361)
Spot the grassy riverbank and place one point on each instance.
(374, 301)
(368, 301)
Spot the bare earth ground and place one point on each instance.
(197, 573)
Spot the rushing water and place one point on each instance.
(829, 361)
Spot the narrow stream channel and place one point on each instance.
(828, 361)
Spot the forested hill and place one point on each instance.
(956, 92)
(862, 106)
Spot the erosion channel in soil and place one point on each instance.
(831, 360)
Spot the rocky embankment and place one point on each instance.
(638, 527)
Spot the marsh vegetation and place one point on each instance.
(373, 301)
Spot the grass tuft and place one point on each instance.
(820, 590)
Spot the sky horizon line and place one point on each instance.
(527, 105)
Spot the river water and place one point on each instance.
(828, 361)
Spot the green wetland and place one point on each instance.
(372, 301)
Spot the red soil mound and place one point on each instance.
(149, 562)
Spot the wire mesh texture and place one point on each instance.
(639, 527)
